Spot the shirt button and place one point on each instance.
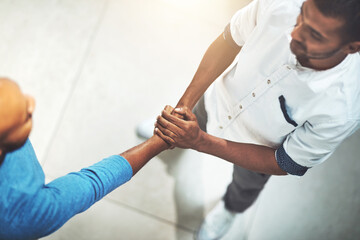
(221, 127)
(268, 81)
(229, 117)
(240, 106)
(253, 94)
(288, 67)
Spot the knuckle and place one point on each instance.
(168, 133)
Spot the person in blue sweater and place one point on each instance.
(29, 208)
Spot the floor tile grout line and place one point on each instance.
(75, 83)
(163, 220)
(64, 108)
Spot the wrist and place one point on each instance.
(184, 103)
(201, 142)
(159, 142)
(181, 105)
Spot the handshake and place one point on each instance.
(179, 127)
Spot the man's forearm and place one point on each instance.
(217, 58)
(250, 156)
(185, 133)
(139, 155)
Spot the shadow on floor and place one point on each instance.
(188, 190)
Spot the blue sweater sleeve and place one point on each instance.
(29, 209)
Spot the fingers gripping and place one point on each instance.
(166, 132)
(167, 125)
(167, 139)
(175, 120)
(168, 109)
(186, 112)
(178, 127)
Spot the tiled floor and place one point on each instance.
(99, 67)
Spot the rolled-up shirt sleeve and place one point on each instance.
(312, 144)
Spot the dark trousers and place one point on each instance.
(246, 185)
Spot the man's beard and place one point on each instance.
(307, 56)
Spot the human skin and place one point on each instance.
(26, 200)
(317, 42)
(16, 111)
(187, 134)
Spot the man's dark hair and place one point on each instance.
(348, 10)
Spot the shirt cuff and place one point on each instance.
(287, 164)
(228, 38)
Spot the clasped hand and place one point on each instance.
(179, 128)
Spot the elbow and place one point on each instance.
(287, 165)
(280, 172)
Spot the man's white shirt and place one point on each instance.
(267, 98)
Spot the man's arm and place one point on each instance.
(39, 209)
(217, 58)
(250, 156)
(139, 155)
(187, 134)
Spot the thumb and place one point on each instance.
(168, 108)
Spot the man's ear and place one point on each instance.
(352, 47)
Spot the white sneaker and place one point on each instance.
(216, 224)
(145, 129)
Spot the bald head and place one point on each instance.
(15, 115)
(10, 102)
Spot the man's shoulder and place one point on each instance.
(279, 12)
(351, 81)
(281, 4)
(21, 168)
(25, 151)
(342, 91)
